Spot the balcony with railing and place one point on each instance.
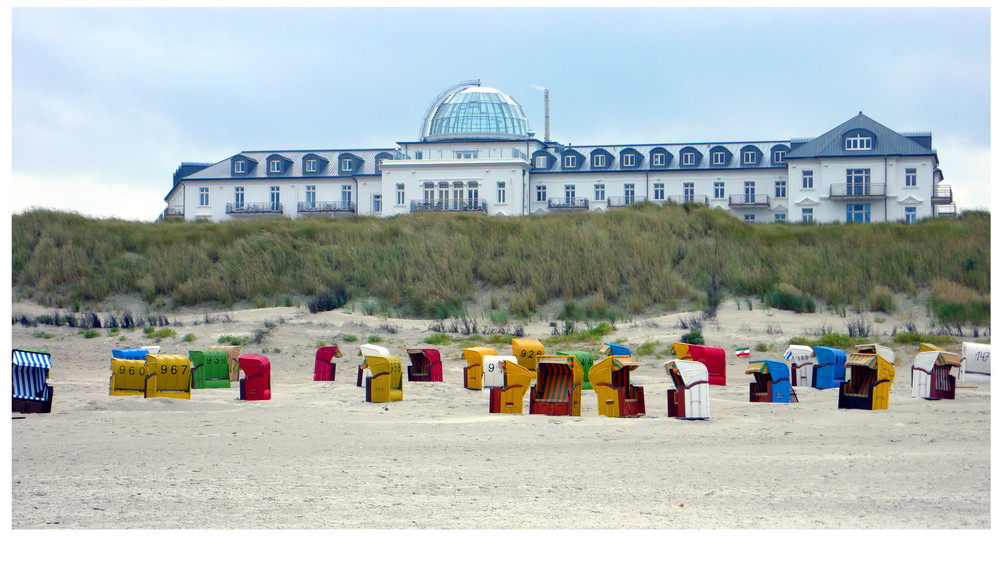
(863, 190)
(327, 207)
(947, 210)
(474, 205)
(749, 200)
(174, 211)
(268, 208)
(688, 198)
(624, 201)
(481, 153)
(941, 194)
(569, 204)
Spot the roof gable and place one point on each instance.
(831, 143)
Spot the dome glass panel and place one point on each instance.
(477, 112)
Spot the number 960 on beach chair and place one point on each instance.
(558, 387)
(128, 377)
(31, 392)
(385, 384)
(616, 396)
(168, 375)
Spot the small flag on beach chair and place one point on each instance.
(744, 351)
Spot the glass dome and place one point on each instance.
(475, 112)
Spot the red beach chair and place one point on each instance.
(325, 368)
(255, 381)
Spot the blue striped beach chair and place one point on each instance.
(29, 374)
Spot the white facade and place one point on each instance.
(476, 155)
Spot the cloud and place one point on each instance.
(86, 195)
(966, 167)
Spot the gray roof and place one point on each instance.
(887, 142)
(223, 169)
(674, 149)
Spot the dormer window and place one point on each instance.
(718, 158)
(569, 161)
(240, 167)
(628, 159)
(599, 160)
(779, 157)
(312, 165)
(276, 166)
(346, 165)
(857, 142)
(687, 159)
(541, 161)
(658, 159)
(749, 157)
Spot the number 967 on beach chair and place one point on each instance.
(168, 375)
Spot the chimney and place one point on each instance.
(547, 115)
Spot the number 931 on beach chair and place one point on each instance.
(472, 374)
(930, 376)
(425, 365)
(616, 396)
(30, 391)
(324, 368)
(168, 375)
(385, 384)
(508, 397)
(713, 358)
(771, 383)
(364, 351)
(558, 387)
(870, 373)
(255, 379)
(689, 398)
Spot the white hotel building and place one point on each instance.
(477, 154)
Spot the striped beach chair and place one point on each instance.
(930, 376)
(31, 392)
(870, 373)
(771, 383)
(425, 365)
(616, 396)
(558, 386)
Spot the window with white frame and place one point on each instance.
(238, 197)
(659, 159)
(473, 192)
(400, 194)
(570, 192)
(911, 177)
(599, 192)
(780, 188)
(466, 154)
(540, 193)
(911, 214)
(429, 191)
(310, 197)
(807, 214)
(202, 196)
(275, 198)
(346, 193)
(718, 158)
(240, 167)
(311, 165)
(719, 190)
(687, 159)
(857, 142)
(780, 217)
(628, 159)
(779, 157)
(807, 179)
(569, 161)
(377, 203)
(749, 157)
(541, 161)
(599, 160)
(749, 191)
(501, 192)
(658, 191)
(859, 181)
(275, 166)
(346, 165)
(859, 213)
(750, 218)
(629, 193)
(688, 191)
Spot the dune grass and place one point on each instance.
(602, 265)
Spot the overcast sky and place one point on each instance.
(108, 102)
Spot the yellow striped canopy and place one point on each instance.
(758, 367)
(866, 360)
(948, 359)
(619, 363)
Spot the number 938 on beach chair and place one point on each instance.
(930, 376)
(689, 398)
(168, 375)
(558, 387)
(771, 383)
(209, 369)
(508, 397)
(713, 358)
(255, 379)
(30, 391)
(364, 351)
(324, 368)
(616, 396)
(233, 352)
(870, 373)
(425, 365)
(385, 384)
(472, 374)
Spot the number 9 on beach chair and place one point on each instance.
(425, 365)
(385, 383)
(209, 369)
(930, 376)
(713, 358)
(128, 377)
(30, 391)
(364, 351)
(472, 374)
(493, 374)
(168, 375)
(558, 385)
(771, 383)
(616, 396)
(870, 373)
(255, 381)
(689, 398)
(508, 397)
(324, 368)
